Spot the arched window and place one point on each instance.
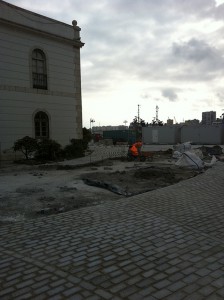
(39, 69)
(41, 122)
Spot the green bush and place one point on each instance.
(75, 149)
(26, 145)
(48, 150)
(87, 136)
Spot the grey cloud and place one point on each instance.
(145, 96)
(219, 12)
(194, 50)
(199, 8)
(132, 38)
(161, 11)
(200, 57)
(170, 94)
(220, 96)
(166, 11)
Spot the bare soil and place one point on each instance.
(28, 192)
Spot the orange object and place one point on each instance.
(134, 150)
(138, 144)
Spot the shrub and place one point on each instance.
(48, 150)
(75, 149)
(87, 136)
(26, 145)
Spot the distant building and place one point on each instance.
(192, 122)
(169, 122)
(40, 78)
(208, 117)
(218, 121)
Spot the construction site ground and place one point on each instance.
(33, 191)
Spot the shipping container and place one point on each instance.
(128, 136)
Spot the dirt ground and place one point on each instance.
(28, 192)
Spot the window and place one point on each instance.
(39, 69)
(41, 123)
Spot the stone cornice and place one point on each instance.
(74, 42)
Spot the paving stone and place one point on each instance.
(214, 296)
(190, 278)
(134, 279)
(149, 273)
(117, 287)
(176, 286)
(116, 273)
(71, 291)
(162, 294)
(94, 297)
(6, 291)
(134, 272)
(205, 281)
(193, 295)
(219, 283)
(220, 292)
(145, 283)
(189, 270)
(191, 288)
(161, 284)
(77, 297)
(126, 292)
(87, 286)
(20, 292)
(56, 290)
(206, 291)
(147, 291)
(104, 294)
(42, 289)
(120, 278)
(217, 273)
(25, 283)
(203, 272)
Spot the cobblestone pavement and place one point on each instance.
(165, 244)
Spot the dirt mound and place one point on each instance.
(132, 182)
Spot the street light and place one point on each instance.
(91, 121)
(125, 122)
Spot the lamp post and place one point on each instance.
(125, 122)
(91, 122)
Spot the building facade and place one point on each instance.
(40, 79)
(208, 117)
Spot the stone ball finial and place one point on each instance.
(74, 23)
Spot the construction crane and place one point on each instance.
(138, 114)
(222, 116)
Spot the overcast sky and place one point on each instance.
(168, 53)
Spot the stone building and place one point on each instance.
(40, 80)
(208, 117)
